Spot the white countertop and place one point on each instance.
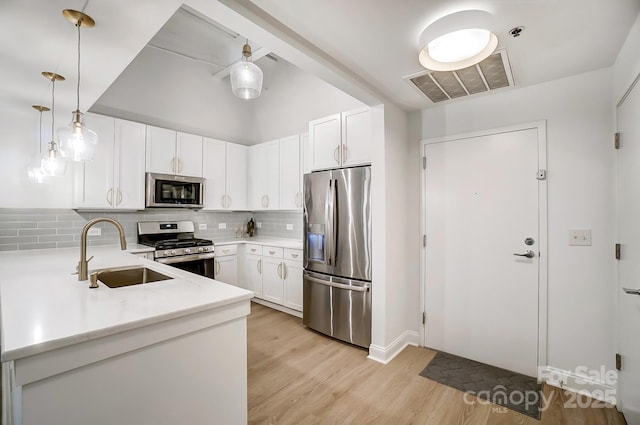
(262, 240)
(44, 307)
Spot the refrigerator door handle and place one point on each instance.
(335, 224)
(329, 214)
(365, 288)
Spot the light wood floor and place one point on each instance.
(299, 377)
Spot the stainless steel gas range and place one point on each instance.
(176, 245)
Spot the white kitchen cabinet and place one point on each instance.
(341, 140)
(290, 188)
(272, 283)
(226, 264)
(253, 274)
(236, 177)
(305, 153)
(115, 179)
(172, 152)
(292, 277)
(264, 180)
(225, 170)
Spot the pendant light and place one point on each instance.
(35, 171)
(78, 143)
(52, 162)
(246, 77)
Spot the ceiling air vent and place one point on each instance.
(492, 73)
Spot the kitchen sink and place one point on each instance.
(127, 276)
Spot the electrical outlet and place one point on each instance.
(202, 226)
(289, 226)
(259, 224)
(95, 231)
(222, 225)
(580, 237)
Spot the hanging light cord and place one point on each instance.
(53, 106)
(78, 25)
(40, 139)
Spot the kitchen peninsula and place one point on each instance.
(167, 352)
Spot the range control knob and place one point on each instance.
(173, 252)
(165, 253)
(200, 249)
(206, 248)
(187, 251)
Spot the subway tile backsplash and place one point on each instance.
(22, 229)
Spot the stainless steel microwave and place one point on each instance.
(167, 190)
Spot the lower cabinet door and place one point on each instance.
(293, 284)
(272, 282)
(253, 274)
(227, 269)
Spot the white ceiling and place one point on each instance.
(378, 39)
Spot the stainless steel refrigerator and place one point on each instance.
(337, 254)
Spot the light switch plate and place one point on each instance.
(202, 226)
(259, 224)
(222, 225)
(580, 237)
(95, 231)
(289, 226)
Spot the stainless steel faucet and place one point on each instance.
(83, 265)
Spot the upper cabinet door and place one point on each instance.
(356, 137)
(214, 171)
(188, 155)
(290, 193)
(237, 156)
(272, 175)
(325, 142)
(93, 180)
(256, 185)
(129, 166)
(161, 150)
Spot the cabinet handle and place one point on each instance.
(294, 255)
(229, 201)
(267, 201)
(280, 270)
(345, 153)
(285, 271)
(253, 250)
(272, 252)
(173, 164)
(216, 267)
(109, 192)
(223, 202)
(179, 165)
(259, 266)
(119, 198)
(225, 251)
(335, 154)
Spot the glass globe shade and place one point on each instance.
(77, 142)
(246, 80)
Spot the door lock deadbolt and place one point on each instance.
(529, 241)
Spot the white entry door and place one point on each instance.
(483, 215)
(629, 265)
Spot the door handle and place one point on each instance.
(631, 291)
(528, 253)
(364, 288)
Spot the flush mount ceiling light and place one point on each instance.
(78, 143)
(52, 162)
(246, 77)
(457, 41)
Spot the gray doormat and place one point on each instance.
(509, 389)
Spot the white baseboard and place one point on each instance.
(385, 354)
(569, 380)
(277, 307)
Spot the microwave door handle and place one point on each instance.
(335, 225)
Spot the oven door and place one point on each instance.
(200, 264)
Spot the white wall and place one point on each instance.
(580, 195)
(627, 65)
(294, 98)
(167, 90)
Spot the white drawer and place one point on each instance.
(253, 249)
(224, 250)
(272, 251)
(293, 254)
